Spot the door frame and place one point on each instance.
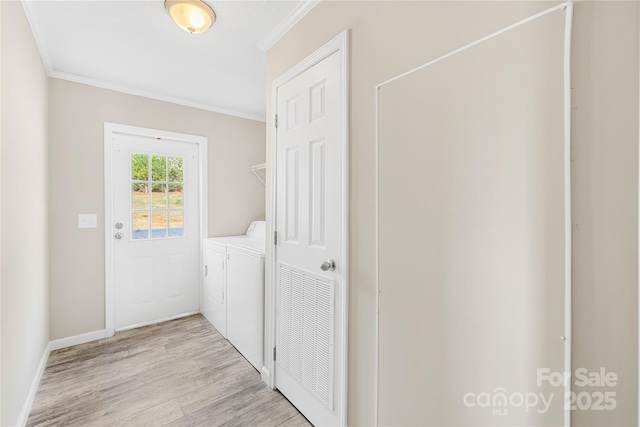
(339, 43)
(109, 130)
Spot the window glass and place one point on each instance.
(157, 196)
(159, 224)
(139, 195)
(139, 225)
(140, 167)
(174, 167)
(159, 168)
(176, 196)
(176, 223)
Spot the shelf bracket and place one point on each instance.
(254, 170)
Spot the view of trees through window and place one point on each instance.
(157, 196)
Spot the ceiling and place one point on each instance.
(133, 46)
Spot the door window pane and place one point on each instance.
(159, 196)
(176, 223)
(159, 168)
(139, 195)
(159, 224)
(139, 167)
(176, 196)
(140, 225)
(174, 166)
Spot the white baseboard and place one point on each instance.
(77, 339)
(26, 407)
(64, 343)
(35, 383)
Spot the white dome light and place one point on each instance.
(193, 16)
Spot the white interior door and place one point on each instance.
(155, 229)
(309, 188)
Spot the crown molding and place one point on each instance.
(287, 24)
(28, 11)
(152, 95)
(52, 72)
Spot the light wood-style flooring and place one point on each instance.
(177, 373)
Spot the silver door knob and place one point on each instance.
(328, 265)
(119, 236)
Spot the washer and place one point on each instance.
(233, 289)
(245, 305)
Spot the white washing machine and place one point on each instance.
(245, 305)
(233, 289)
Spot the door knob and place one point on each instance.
(119, 236)
(328, 265)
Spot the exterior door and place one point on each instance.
(155, 229)
(309, 187)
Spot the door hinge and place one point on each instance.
(274, 353)
(276, 121)
(275, 237)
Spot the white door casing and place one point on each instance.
(152, 272)
(311, 158)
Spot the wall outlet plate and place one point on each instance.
(87, 220)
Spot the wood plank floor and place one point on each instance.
(177, 373)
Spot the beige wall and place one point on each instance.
(471, 231)
(605, 199)
(25, 309)
(391, 37)
(77, 116)
(0, 215)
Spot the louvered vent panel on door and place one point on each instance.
(305, 330)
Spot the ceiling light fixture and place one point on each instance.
(193, 16)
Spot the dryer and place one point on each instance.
(233, 289)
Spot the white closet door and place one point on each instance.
(310, 235)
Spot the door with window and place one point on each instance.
(155, 229)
